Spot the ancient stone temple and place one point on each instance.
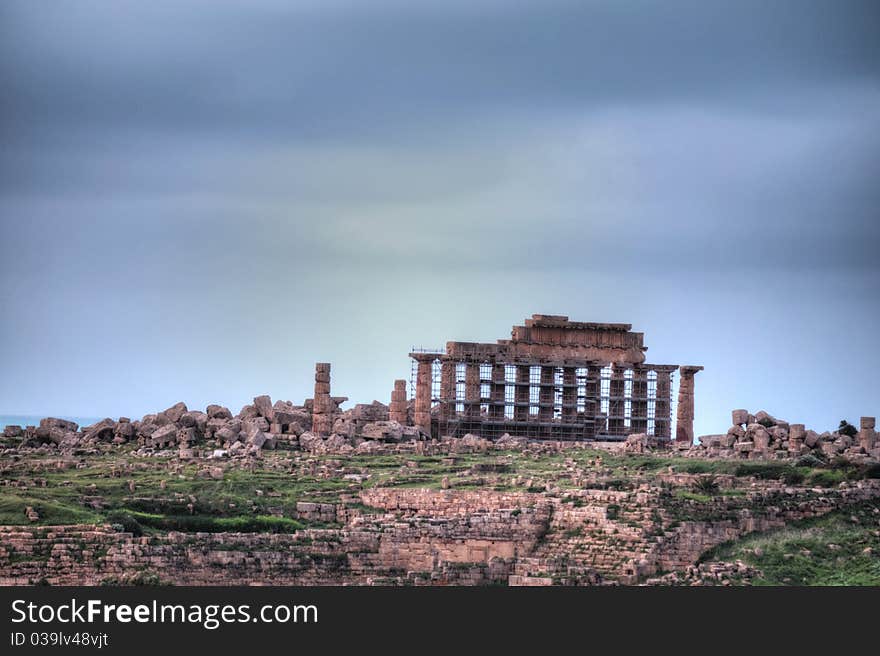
(553, 379)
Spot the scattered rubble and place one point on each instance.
(763, 436)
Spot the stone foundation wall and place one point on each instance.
(420, 537)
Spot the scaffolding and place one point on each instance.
(567, 400)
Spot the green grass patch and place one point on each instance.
(829, 550)
(692, 496)
(207, 524)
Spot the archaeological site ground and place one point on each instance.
(559, 456)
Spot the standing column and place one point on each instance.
(398, 402)
(569, 395)
(639, 401)
(592, 402)
(322, 404)
(472, 390)
(546, 393)
(663, 403)
(867, 435)
(423, 393)
(684, 416)
(496, 393)
(616, 400)
(521, 410)
(447, 389)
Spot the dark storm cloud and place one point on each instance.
(368, 68)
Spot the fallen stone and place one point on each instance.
(740, 417)
(101, 431)
(175, 412)
(263, 405)
(164, 435)
(13, 430)
(218, 412)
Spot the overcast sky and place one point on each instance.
(200, 200)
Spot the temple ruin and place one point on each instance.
(553, 379)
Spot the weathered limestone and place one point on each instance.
(322, 409)
(740, 417)
(569, 395)
(616, 402)
(447, 389)
(557, 390)
(422, 537)
(867, 435)
(397, 409)
(797, 434)
(496, 393)
(521, 409)
(423, 392)
(684, 425)
(545, 394)
(767, 437)
(263, 404)
(472, 390)
(639, 403)
(663, 404)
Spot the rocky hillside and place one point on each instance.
(462, 511)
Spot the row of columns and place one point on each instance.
(638, 409)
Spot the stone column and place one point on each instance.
(546, 393)
(569, 395)
(423, 393)
(617, 389)
(684, 417)
(521, 410)
(867, 436)
(398, 403)
(496, 394)
(639, 401)
(322, 405)
(447, 389)
(796, 435)
(663, 404)
(592, 402)
(472, 390)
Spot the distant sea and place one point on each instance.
(34, 420)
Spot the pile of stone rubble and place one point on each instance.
(762, 435)
(216, 431)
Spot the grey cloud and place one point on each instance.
(370, 68)
(199, 201)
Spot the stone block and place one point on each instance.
(263, 404)
(740, 417)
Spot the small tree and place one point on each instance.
(847, 428)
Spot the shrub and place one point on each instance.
(809, 460)
(792, 477)
(827, 478)
(612, 511)
(126, 523)
(847, 428)
(765, 470)
(871, 471)
(706, 485)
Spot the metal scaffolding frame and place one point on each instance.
(571, 400)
